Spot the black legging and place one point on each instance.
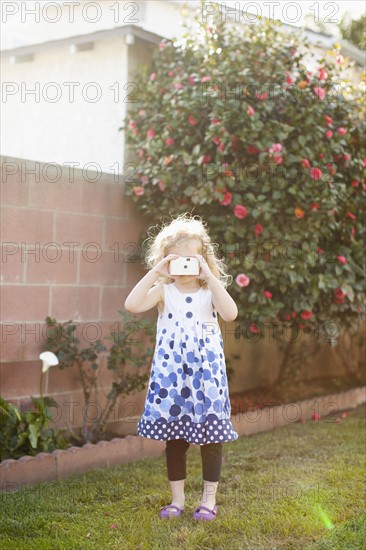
(211, 456)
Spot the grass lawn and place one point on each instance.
(298, 487)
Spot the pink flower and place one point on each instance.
(364, 162)
(339, 296)
(138, 190)
(191, 80)
(267, 294)
(216, 140)
(350, 215)
(145, 179)
(346, 157)
(206, 159)
(275, 148)
(262, 96)
(315, 416)
(328, 120)
(258, 229)
(316, 173)
(132, 124)
(242, 280)
(290, 80)
(342, 260)
(215, 121)
(142, 112)
(250, 111)
(315, 205)
(169, 141)
(161, 185)
(341, 131)
(305, 163)
(329, 134)
(320, 92)
(355, 183)
(306, 314)
(227, 199)
(206, 79)
(278, 160)
(221, 147)
(322, 74)
(240, 211)
(150, 133)
(339, 59)
(254, 328)
(171, 73)
(178, 85)
(162, 45)
(153, 76)
(192, 120)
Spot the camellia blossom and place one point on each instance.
(322, 74)
(150, 133)
(169, 141)
(316, 173)
(250, 111)
(342, 260)
(192, 120)
(138, 190)
(240, 211)
(342, 131)
(242, 280)
(320, 92)
(305, 163)
(328, 120)
(258, 230)
(227, 199)
(339, 296)
(206, 79)
(153, 76)
(350, 215)
(275, 148)
(306, 314)
(329, 134)
(267, 294)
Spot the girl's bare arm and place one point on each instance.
(142, 297)
(222, 300)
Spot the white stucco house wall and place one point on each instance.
(67, 83)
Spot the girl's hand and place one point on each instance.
(205, 271)
(162, 269)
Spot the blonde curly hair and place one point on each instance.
(183, 227)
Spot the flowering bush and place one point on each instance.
(234, 127)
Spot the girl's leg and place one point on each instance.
(211, 455)
(175, 452)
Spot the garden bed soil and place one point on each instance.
(259, 398)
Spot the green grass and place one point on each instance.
(297, 487)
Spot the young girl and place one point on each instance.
(187, 401)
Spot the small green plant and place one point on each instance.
(125, 352)
(27, 432)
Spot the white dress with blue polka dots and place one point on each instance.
(188, 396)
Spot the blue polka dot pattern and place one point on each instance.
(187, 396)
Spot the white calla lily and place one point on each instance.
(48, 359)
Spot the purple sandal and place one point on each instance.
(164, 513)
(212, 513)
